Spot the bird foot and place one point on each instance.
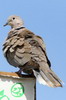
(32, 74)
(19, 72)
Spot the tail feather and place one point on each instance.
(48, 78)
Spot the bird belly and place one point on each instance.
(11, 60)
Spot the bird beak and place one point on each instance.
(5, 24)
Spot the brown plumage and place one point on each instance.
(27, 51)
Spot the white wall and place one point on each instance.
(17, 88)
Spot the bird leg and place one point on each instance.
(19, 72)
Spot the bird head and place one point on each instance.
(14, 21)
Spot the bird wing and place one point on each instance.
(43, 48)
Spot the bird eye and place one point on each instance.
(13, 18)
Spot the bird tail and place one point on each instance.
(48, 78)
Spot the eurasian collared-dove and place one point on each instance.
(27, 51)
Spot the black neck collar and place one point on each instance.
(19, 28)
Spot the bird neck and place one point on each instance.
(20, 28)
(18, 25)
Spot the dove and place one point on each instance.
(27, 51)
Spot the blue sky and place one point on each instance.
(46, 18)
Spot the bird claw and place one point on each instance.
(19, 73)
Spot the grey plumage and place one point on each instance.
(27, 51)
